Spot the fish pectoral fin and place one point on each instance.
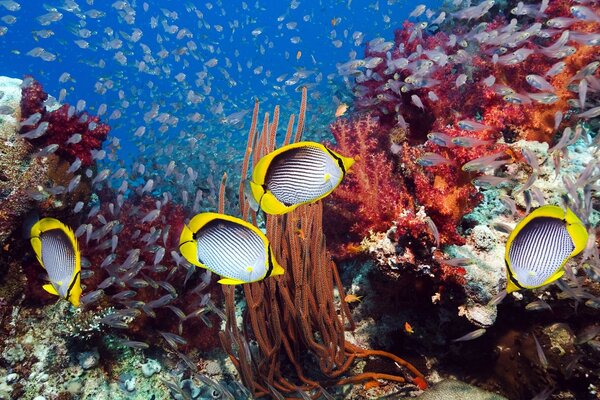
(50, 289)
(249, 192)
(230, 281)
(327, 177)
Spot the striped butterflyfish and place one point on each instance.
(540, 245)
(295, 174)
(230, 247)
(57, 251)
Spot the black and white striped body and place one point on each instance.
(232, 251)
(58, 258)
(538, 251)
(302, 175)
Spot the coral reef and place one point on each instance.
(372, 195)
(28, 180)
(18, 171)
(74, 131)
(297, 317)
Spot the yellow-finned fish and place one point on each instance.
(295, 174)
(230, 247)
(540, 245)
(57, 250)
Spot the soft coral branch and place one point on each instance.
(372, 196)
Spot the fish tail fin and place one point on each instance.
(277, 269)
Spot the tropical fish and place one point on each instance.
(341, 109)
(432, 160)
(295, 174)
(230, 247)
(57, 251)
(540, 245)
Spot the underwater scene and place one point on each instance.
(299, 199)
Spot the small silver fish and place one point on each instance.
(471, 335)
(432, 160)
(466, 141)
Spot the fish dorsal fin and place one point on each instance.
(50, 289)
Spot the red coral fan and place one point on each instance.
(63, 123)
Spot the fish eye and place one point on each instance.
(215, 394)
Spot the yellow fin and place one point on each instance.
(577, 231)
(271, 205)
(230, 281)
(327, 177)
(50, 289)
(277, 269)
(188, 247)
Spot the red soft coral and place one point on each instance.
(371, 196)
(62, 124)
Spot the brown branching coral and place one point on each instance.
(296, 319)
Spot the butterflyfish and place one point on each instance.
(295, 174)
(230, 247)
(57, 251)
(540, 245)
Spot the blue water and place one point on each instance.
(227, 31)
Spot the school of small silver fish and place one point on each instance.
(178, 100)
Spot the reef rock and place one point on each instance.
(457, 390)
(19, 172)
